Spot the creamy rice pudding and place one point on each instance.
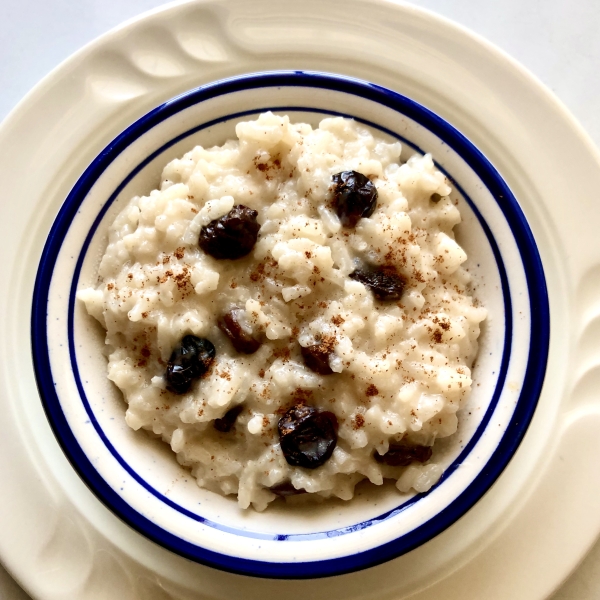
(289, 312)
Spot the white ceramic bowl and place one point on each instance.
(138, 478)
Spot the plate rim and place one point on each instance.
(578, 137)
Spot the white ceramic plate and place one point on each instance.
(535, 523)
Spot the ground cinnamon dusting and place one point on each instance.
(358, 421)
(283, 353)
(372, 390)
(301, 396)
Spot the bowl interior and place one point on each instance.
(138, 477)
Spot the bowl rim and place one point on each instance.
(536, 363)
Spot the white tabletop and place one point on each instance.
(557, 40)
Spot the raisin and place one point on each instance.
(286, 489)
(435, 198)
(227, 421)
(189, 361)
(307, 436)
(401, 455)
(231, 236)
(242, 341)
(385, 282)
(354, 197)
(316, 358)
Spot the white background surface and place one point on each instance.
(557, 40)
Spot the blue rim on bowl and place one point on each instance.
(521, 417)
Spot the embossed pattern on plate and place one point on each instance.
(528, 136)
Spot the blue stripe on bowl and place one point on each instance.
(515, 431)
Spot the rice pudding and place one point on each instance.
(289, 312)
